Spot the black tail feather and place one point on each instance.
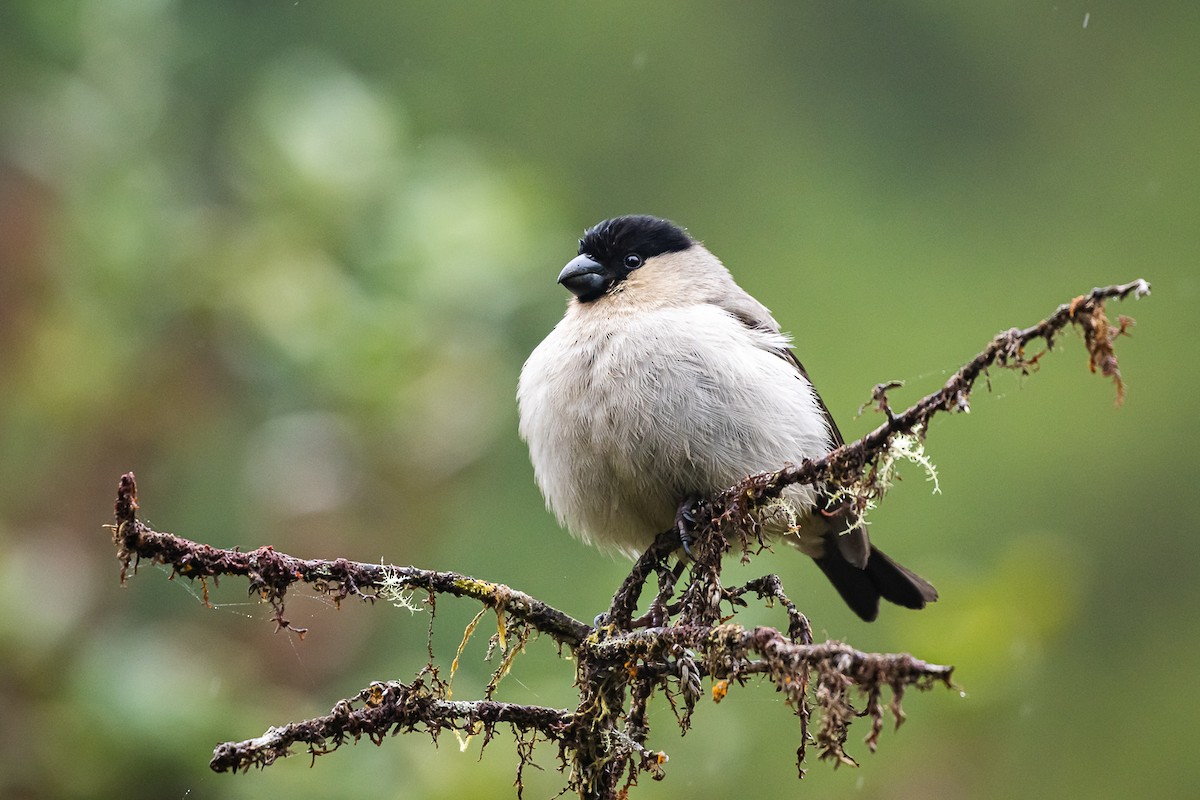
(882, 577)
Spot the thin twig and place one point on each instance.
(382, 709)
(271, 573)
(846, 464)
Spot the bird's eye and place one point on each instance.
(633, 261)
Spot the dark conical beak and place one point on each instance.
(584, 277)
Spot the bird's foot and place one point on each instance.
(685, 523)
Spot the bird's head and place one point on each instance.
(613, 249)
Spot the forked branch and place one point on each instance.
(622, 661)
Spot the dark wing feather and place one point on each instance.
(861, 573)
(787, 354)
(790, 356)
(853, 545)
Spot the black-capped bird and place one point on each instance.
(665, 382)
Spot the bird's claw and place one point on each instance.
(685, 523)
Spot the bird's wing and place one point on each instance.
(755, 316)
(853, 543)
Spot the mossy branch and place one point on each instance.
(623, 660)
(855, 470)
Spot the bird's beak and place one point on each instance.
(583, 277)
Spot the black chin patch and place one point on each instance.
(611, 240)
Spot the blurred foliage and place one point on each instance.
(284, 260)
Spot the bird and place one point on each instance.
(665, 382)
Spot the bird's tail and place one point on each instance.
(881, 577)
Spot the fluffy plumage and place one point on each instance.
(666, 381)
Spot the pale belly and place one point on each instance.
(622, 433)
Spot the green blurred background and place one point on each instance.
(284, 260)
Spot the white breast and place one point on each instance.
(627, 415)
